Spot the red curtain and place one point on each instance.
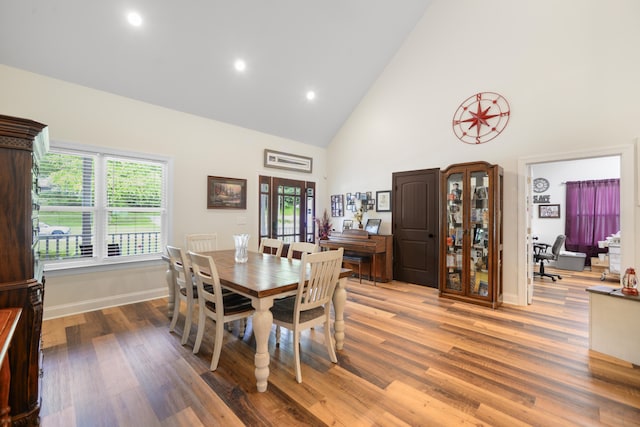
(592, 213)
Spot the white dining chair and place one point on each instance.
(296, 249)
(271, 246)
(214, 305)
(311, 307)
(185, 290)
(202, 242)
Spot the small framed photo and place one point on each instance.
(347, 224)
(383, 201)
(548, 211)
(373, 225)
(226, 193)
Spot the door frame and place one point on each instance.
(306, 214)
(628, 202)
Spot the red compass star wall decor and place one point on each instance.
(481, 117)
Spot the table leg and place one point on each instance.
(339, 301)
(262, 322)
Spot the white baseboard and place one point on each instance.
(508, 298)
(52, 312)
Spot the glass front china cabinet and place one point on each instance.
(471, 235)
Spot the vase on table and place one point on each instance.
(242, 242)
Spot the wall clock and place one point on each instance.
(540, 185)
(481, 117)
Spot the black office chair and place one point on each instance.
(540, 253)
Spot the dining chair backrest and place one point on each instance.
(318, 279)
(296, 249)
(203, 242)
(271, 246)
(207, 279)
(184, 289)
(179, 266)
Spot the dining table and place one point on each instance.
(265, 278)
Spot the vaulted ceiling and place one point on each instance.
(183, 55)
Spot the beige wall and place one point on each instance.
(567, 69)
(197, 147)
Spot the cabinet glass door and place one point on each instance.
(455, 233)
(479, 233)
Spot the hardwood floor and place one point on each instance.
(410, 359)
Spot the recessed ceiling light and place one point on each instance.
(240, 65)
(311, 95)
(134, 19)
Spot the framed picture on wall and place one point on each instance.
(280, 160)
(337, 208)
(226, 193)
(548, 211)
(383, 201)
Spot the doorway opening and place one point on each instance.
(527, 209)
(287, 209)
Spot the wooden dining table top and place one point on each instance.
(263, 275)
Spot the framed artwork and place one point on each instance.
(226, 193)
(347, 224)
(280, 160)
(383, 201)
(337, 205)
(548, 211)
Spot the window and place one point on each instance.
(101, 207)
(287, 209)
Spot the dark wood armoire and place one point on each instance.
(22, 144)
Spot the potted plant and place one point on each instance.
(324, 226)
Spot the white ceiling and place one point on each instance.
(182, 56)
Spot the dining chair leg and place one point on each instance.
(217, 346)
(187, 323)
(277, 336)
(176, 313)
(329, 340)
(242, 327)
(200, 334)
(296, 352)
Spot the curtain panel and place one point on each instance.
(592, 214)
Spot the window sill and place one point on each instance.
(53, 269)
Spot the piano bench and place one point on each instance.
(359, 260)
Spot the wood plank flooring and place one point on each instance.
(410, 359)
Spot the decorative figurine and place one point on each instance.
(630, 282)
(358, 216)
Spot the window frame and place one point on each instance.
(100, 260)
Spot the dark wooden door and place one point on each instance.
(416, 228)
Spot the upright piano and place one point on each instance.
(378, 246)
